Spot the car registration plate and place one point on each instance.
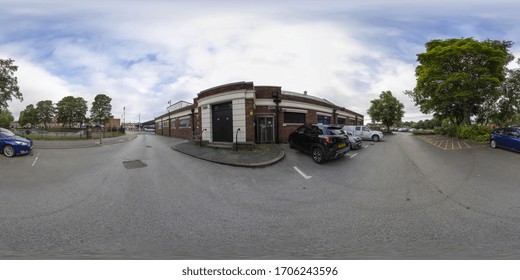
(342, 145)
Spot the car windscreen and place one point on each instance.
(6, 133)
(335, 131)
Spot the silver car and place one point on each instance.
(355, 141)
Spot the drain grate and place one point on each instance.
(133, 164)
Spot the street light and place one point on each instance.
(124, 118)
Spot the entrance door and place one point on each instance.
(265, 129)
(222, 122)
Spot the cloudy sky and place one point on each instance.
(146, 53)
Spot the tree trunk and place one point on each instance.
(466, 111)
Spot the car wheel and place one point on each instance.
(375, 138)
(317, 155)
(9, 151)
(291, 144)
(493, 144)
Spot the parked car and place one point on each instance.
(12, 144)
(364, 132)
(507, 138)
(355, 141)
(323, 142)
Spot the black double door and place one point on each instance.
(222, 122)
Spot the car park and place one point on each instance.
(12, 144)
(323, 142)
(364, 132)
(355, 141)
(506, 138)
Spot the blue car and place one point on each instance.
(507, 138)
(12, 144)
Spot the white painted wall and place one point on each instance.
(238, 100)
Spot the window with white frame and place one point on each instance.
(185, 123)
(323, 119)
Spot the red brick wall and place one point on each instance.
(226, 88)
(261, 92)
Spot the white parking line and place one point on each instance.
(36, 159)
(351, 156)
(306, 177)
(366, 146)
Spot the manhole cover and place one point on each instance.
(133, 164)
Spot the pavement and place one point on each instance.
(262, 154)
(87, 143)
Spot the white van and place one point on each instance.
(364, 132)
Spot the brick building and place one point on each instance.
(244, 113)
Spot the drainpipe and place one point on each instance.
(276, 100)
(192, 124)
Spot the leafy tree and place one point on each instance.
(455, 76)
(45, 112)
(101, 108)
(8, 82)
(28, 116)
(5, 118)
(504, 109)
(71, 110)
(387, 109)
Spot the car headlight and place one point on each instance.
(21, 143)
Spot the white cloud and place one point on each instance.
(144, 54)
(38, 84)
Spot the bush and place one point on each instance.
(448, 128)
(424, 132)
(481, 138)
(478, 133)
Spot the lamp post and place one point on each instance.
(276, 100)
(169, 119)
(124, 119)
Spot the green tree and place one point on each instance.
(45, 112)
(455, 76)
(101, 108)
(387, 109)
(8, 82)
(28, 116)
(507, 106)
(5, 118)
(71, 110)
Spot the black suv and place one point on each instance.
(323, 142)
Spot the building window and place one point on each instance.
(185, 123)
(323, 119)
(291, 117)
(173, 123)
(341, 120)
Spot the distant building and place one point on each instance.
(243, 112)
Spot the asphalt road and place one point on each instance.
(401, 198)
